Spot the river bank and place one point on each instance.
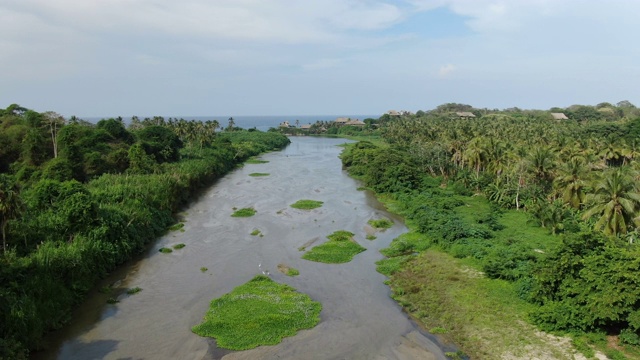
(443, 283)
(359, 320)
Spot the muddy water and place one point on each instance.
(358, 321)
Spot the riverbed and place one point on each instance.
(358, 321)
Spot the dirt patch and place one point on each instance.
(283, 268)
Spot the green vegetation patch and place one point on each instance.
(381, 223)
(176, 226)
(244, 212)
(255, 232)
(260, 312)
(340, 248)
(259, 174)
(134, 290)
(255, 161)
(165, 250)
(482, 315)
(179, 246)
(371, 237)
(204, 269)
(307, 204)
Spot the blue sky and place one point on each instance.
(287, 57)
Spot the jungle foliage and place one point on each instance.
(77, 199)
(576, 179)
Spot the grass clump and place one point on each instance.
(244, 212)
(259, 174)
(260, 312)
(255, 232)
(307, 204)
(371, 237)
(176, 226)
(112, 301)
(165, 250)
(179, 246)
(340, 248)
(134, 290)
(204, 269)
(255, 161)
(381, 223)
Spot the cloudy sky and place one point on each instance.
(312, 57)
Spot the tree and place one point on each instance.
(54, 122)
(570, 182)
(10, 205)
(231, 124)
(615, 202)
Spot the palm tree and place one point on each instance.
(10, 205)
(615, 201)
(542, 162)
(570, 182)
(475, 154)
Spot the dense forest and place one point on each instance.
(576, 177)
(77, 199)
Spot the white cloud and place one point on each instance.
(86, 50)
(446, 70)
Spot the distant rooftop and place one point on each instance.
(559, 116)
(465, 114)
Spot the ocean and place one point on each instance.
(262, 123)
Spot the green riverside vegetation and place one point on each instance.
(260, 312)
(307, 204)
(259, 174)
(514, 213)
(380, 223)
(77, 199)
(244, 212)
(340, 248)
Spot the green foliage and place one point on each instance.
(259, 174)
(340, 248)
(134, 290)
(390, 266)
(293, 272)
(244, 212)
(307, 204)
(176, 226)
(587, 283)
(255, 232)
(204, 269)
(260, 312)
(71, 233)
(165, 250)
(178, 246)
(380, 223)
(160, 142)
(255, 161)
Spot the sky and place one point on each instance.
(312, 57)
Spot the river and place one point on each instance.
(358, 320)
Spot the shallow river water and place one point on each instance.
(358, 321)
